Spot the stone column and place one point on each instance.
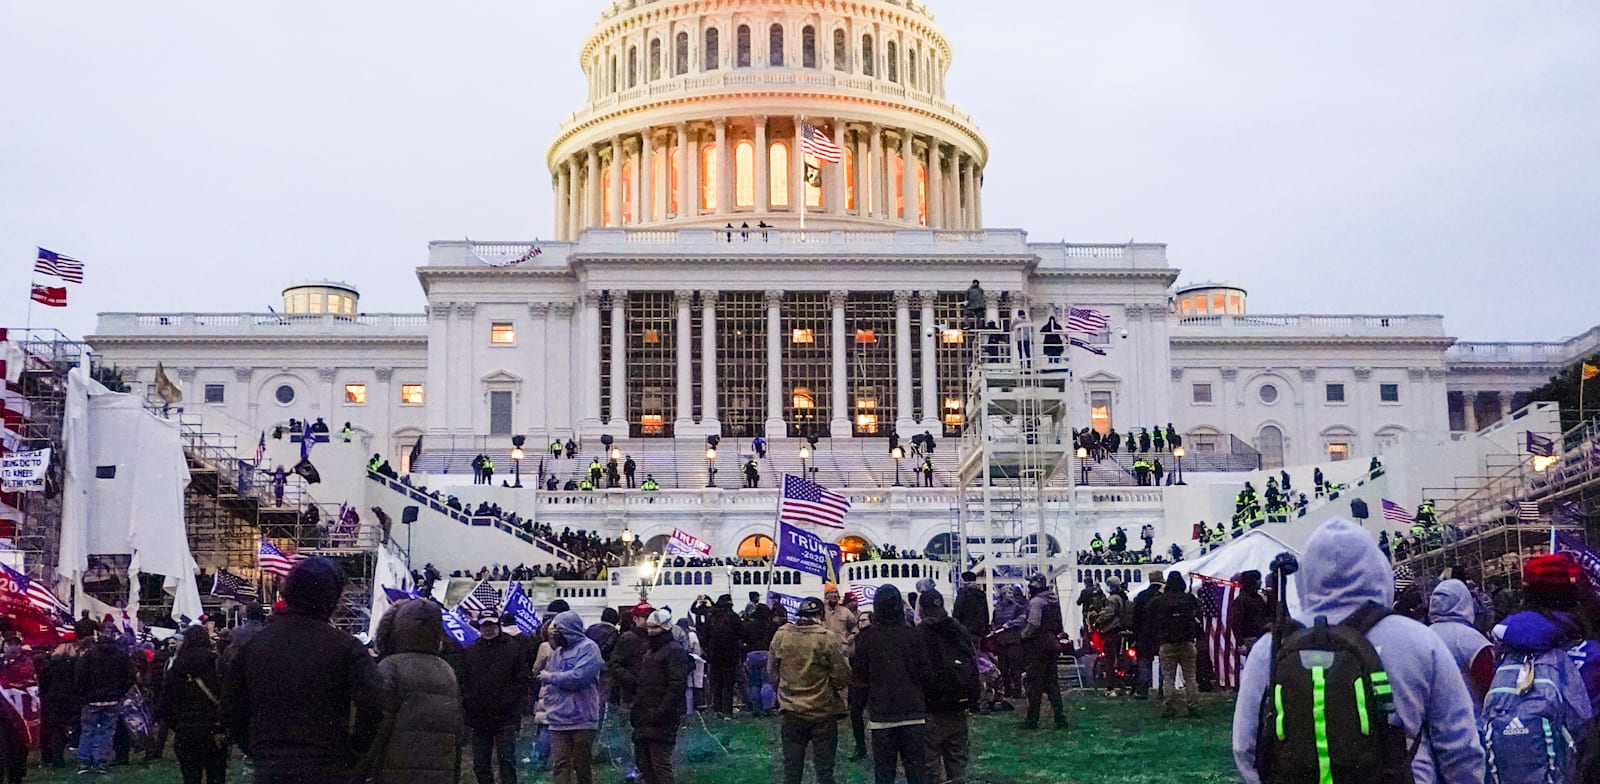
(1469, 410)
(879, 169)
(977, 195)
(991, 306)
(614, 193)
(574, 201)
(930, 365)
(538, 403)
(619, 362)
(776, 427)
(763, 160)
(908, 153)
(902, 361)
(968, 217)
(935, 186)
(559, 367)
(797, 170)
(724, 169)
(563, 185)
(589, 382)
(835, 198)
(689, 200)
(644, 209)
(684, 340)
(591, 198)
(708, 360)
(682, 152)
(952, 207)
(839, 340)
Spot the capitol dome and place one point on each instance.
(735, 84)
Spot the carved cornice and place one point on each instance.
(837, 298)
(185, 373)
(539, 310)
(1177, 374)
(1362, 372)
(562, 310)
(440, 309)
(1417, 373)
(1308, 374)
(708, 298)
(327, 373)
(383, 372)
(902, 299)
(683, 297)
(774, 298)
(242, 373)
(1230, 373)
(466, 309)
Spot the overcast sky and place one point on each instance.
(1435, 156)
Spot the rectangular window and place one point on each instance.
(1100, 412)
(503, 333)
(1389, 393)
(355, 394)
(1335, 393)
(216, 393)
(802, 335)
(411, 394)
(866, 337)
(1201, 393)
(499, 413)
(1338, 451)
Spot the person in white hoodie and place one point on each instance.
(1451, 615)
(1342, 571)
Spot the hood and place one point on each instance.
(888, 607)
(569, 624)
(313, 587)
(1451, 601)
(1536, 632)
(1342, 570)
(1048, 595)
(414, 626)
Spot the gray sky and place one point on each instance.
(1367, 157)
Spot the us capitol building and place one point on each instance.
(711, 276)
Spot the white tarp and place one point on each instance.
(125, 477)
(1255, 550)
(23, 472)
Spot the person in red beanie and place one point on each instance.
(1553, 589)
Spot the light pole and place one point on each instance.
(711, 466)
(517, 456)
(898, 453)
(1178, 454)
(805, 458)
(627, 544)
(1083, 464)
(647, 573)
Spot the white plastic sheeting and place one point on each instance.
(125, 477)
(1255, 550)
(388, 572)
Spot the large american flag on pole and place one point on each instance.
(272, 560)
(1528, 511)
(39, 595)
(808, 502)
(1216, 607)
(1395, 513)
(1087, 320)
(58, 265)
(483, 597)
(815, 143)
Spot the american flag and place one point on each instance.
(1528, 511)
(1087, 320)
(1403, 578)
(1216, 605)
(273, 561)
(809, 502)
(1542, 446)
(261, 449)
(863, 594)
(39, 595)
(1087, 346)
(226, 585)
(483, 597)
(815, 143)
(64, 267)
(1395, 513)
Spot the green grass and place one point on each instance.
(1112, 741)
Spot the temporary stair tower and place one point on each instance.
(1015, 440)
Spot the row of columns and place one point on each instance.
(953, 178)
(589, 362)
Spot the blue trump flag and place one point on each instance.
(806, 552)
(1563, 542)
(397, 595)
(459, 628)
(521, 607)
(791, 604)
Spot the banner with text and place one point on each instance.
(806, 552)
(791, 604)
(687, 544)
(24, 471)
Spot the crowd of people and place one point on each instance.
(1114, 551)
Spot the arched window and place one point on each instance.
(708, 177)
(869, 64)
(633, 66)
(897, 188)
(813, 175)
(744, 172)
(854, 548)
(922, 193)
(778, 174)
(849, 177)
(613, 74)
(941, 547)
(605, 199)
(743, 44)
(1270, 443)
(680, 55)
(629, 198)
(775, 47)
(672, 180)
(655, 59)
(890, 52)
(841, 51)
(756, 547)
(808, 47)
(713, 52)
(911, 67)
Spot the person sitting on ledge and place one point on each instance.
(649, 485)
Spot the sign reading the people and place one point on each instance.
(22, 472)
(807, 552)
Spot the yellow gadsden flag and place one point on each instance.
(1590, 371)
(165, 389)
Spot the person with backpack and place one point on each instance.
(809, 665)
(1451, 615)
(952, 692)
(1041, 645)
(892, 665)
(1176, 617)
(1146, 638)
(190, 705)
(1547, 677)
(1348, 691)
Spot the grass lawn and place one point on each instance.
(1112, 741)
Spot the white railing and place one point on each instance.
(281, 324)
(1314, 324)
(744, 242)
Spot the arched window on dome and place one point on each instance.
(605, 201)
(708, 177)
(841, 50)
(680, 55)
(655, 59)
(911, 66)
(812, 171)
(890, 52)
(778, 174)
(613, 74)
(629, 198)
(775, 47)
(869, 63)
(713, 52)
(744, 169)
(849, 177)
(808, 47)
(922, 193)
(672, 181)
(897, 188)
(633, 66)
(743, 55)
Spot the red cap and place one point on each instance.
(1552, 575)
(642, 609)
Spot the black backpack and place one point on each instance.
(955, 682)
(1327, 713)
(1179, 621)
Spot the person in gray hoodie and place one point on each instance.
(1452, 616)
(1341, 571)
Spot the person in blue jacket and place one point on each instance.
(571, 699)
(1341, 571)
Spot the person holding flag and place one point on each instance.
(495, 677)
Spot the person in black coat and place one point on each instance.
(659, 702)
(721, 640)
(891, 663)
(287, 695)
(103, 676)
(972, 609)
(1145, 640)
(58, 702)
(189, 704)
(622, 665)
(496, 675)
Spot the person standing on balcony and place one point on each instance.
(976, 305)
(555, 449)
(1022, 338)
(628, 467)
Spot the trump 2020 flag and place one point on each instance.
(806, 552)
(520, 607)
(459, 628)
(1567, 543)
(790, 604)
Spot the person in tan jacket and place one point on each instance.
(840, 619)
(808, 663)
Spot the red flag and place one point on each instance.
(52, 296)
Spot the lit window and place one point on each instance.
(802, 335)
(867, 423)
(503, 333)
(953, 336)
(778, 174)
(952, 412)
(1335, 393)
(1233, 304)
(1186, 306)
(1216, 304)
(652, 336)
(1201, 393)
(1100, 412)
(802, 398)
(355, 394)
(744, 163)
(1389, 393)
(1338, 451)
(652, 424)
(708, 177)
(866, 336)
(215, 393)
(411, 394)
